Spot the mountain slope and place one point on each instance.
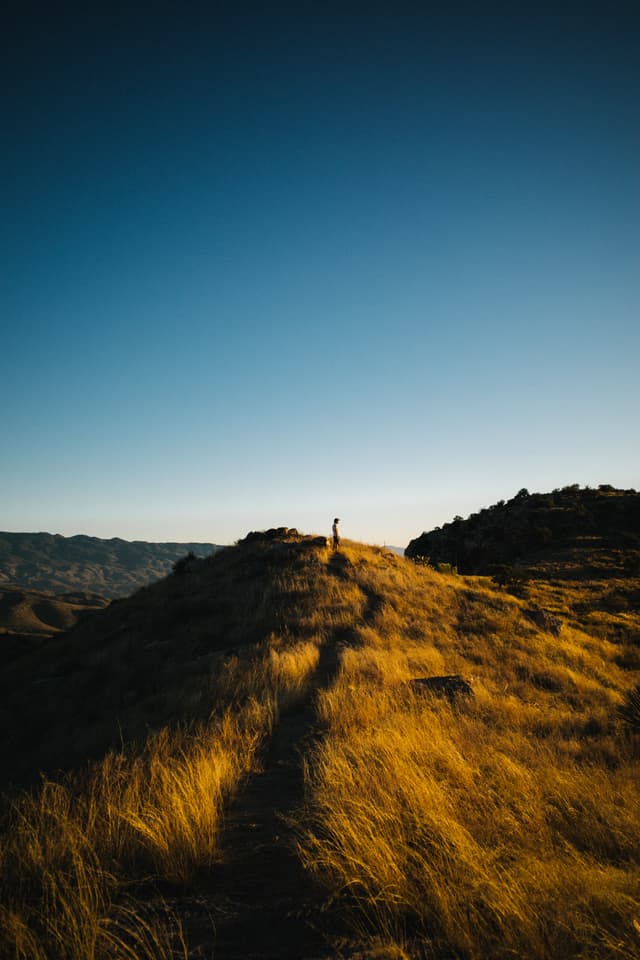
(570, 532)
(276, 772)
(157, 656)
(109, 568)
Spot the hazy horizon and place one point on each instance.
(266, 269)
(268, 525)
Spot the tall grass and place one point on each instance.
(70, 849)
(498, 828)
(491, 845)
(160, 812)
(505, 827)
(280, 673)
(66, 905)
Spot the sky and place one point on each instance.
(267, 265)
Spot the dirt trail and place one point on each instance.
(263, 904)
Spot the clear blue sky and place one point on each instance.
(265, 269)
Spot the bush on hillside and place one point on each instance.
(184, 564)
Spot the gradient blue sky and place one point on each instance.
(266, 269)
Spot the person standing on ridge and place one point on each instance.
(336, 533)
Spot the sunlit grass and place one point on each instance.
(489, 841)
(71, 848)
(508, 826)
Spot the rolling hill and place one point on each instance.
(286, 751)
(41, 614)
(109, 568)
(575, 552)
(573, 532)
(29, 617)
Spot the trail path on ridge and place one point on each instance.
(264, 905)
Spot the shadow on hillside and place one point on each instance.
(263, 901)
(339, 560)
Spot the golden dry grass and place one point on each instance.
(70, 849)
(504, 826)
(507, 826)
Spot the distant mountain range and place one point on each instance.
(110, 568)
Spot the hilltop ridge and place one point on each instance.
(138, 663)
(253, 736)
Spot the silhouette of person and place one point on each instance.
(336, 533)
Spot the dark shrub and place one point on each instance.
(184, 564)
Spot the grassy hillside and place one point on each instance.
(268, 781)
(109, 568)
(574, 552)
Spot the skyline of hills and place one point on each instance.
(110, 568)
